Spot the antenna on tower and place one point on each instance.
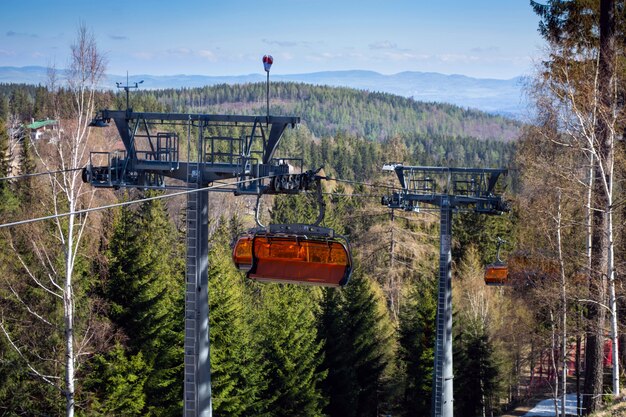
(127, 88)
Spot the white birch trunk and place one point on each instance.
(86, 70)
(555, 388)
(563, 304)
(68, 313)
(613, 302)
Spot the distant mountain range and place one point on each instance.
(503, 97)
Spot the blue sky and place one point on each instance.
(479, 38)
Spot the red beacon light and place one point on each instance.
(267, 62)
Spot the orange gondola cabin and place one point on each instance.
(300, 254)
(497, 274)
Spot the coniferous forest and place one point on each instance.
(92, 304)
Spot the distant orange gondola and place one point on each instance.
(300, 254)
(497, 273)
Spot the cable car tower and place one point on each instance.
(218, 148)
(450, 189)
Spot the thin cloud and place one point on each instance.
(176, 53)
(289, 44)
(488, 49)
(6, 52)
(324, 56)
(118, 37)
(206, 54)
(12, 33)
(458, 58)
(383, 45)
(282, 44)
(143, 55)
(404, 56)
(179, 51)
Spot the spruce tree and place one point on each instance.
(4, 108)
(291, 350)
(40, 107)
(340, 387)
(359, 347)
(479, 368)
(8, 202)
(476, 374)
(417, 341)
(236, 369)
(25, 187)
(372, 345)
(115, 383)
(146, 295)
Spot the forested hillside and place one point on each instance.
(91, 290)
(335, 121)
(327, 110)
(324, 110)
(360, 351)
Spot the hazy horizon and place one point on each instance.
(482, 39)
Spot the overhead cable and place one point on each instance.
(360, 183)
(125, 203)
(214, 187)
(37, 174)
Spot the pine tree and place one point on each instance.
(236, 369)
(359, 347)
(25, 187)
(291, 350)
(8, 201)
(146, 295)
(116, 383)
(417, 341)
(371, 335)
(340, 386)
(476, 373)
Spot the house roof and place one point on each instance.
(41, 123)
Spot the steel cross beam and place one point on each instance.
(127, 121)
(146, 161)
(449, 189)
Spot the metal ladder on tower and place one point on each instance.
(191, 404)
(437, 392)
(442, 371)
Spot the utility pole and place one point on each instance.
(461, 189)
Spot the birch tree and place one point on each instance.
(54, 274)
(581, 75)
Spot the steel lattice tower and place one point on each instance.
(151, 156)
(450, 189)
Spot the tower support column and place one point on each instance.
(197, 389)
(442, 393)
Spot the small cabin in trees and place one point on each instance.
(40, 127)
